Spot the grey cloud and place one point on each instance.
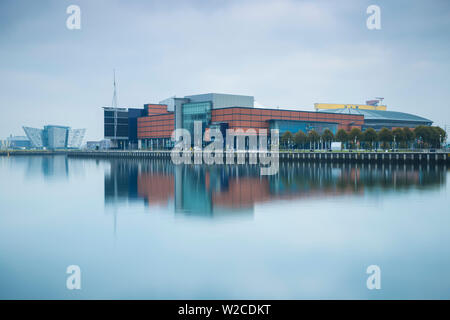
(286, 53)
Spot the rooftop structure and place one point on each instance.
(378, 119)
(371, 105)
(222, 100)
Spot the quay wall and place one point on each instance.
(398, 157)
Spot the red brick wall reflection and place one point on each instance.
(242, 192)
(156, 188)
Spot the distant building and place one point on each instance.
(98, 145)
(55, 137)
(18, 142)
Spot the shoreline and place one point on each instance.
(292, 156)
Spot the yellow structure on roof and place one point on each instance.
(328, 106)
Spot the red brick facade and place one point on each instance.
(160, 123)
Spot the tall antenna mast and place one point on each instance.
(114, 99)
(114, 104)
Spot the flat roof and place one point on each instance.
(219, 94)
(315, 121)
(271, 109)
(168, 113)
(113, 108)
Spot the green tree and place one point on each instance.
(369, 136)
(286, 139)
(355, 136)
(342, 136)
(313, 137)
(423, 135)
(385, 135)
(409, 136)
(327, 136)
(439, 137)
(399, 136)
(300, 139)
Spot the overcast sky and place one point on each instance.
(288, 54)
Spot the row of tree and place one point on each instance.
(419, 137)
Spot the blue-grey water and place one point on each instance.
(151, 230)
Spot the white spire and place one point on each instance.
(114, 99)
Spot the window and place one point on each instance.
(198, 111)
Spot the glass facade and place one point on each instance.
(133, 115)
(198, 111)
(36, 136)
(75, 138)
(55, 137)
(305, 126)
(115, 123)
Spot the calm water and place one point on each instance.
(148, 229)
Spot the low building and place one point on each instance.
(55, 137)
(18, 142)
(98, 145)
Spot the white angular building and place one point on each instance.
(55, 137)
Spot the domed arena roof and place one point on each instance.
(388, 118)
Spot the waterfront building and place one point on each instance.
(55, 137)
(227, 111)
(18, 142)
(152, 126)
(120, 126)
(98, 145)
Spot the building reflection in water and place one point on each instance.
(50, 167)
(203, 190)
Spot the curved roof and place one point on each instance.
(381, 115)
